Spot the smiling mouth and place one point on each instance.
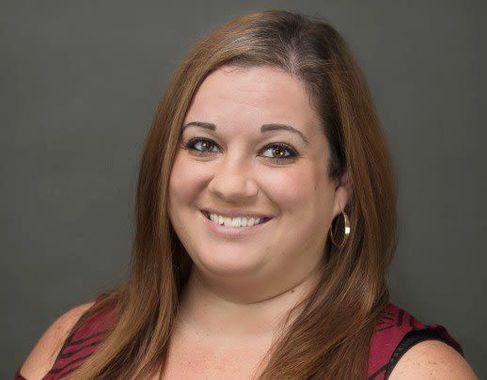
(263, 220)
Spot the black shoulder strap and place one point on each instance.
(409, 340)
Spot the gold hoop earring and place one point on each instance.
(346, 231)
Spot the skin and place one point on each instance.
(44, 354)
(430, 360)
(239, 289)
(240, 286)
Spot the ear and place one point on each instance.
(343, 193)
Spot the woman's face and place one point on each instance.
(235, 157)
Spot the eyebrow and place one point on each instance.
(264, 128)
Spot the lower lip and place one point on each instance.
(232, 232)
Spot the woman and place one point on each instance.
(266, 223)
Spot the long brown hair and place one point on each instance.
(331, 335)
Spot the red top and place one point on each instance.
(396, 332)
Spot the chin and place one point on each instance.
(227, 262)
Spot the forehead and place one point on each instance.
(249, 97)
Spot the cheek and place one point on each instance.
(295, 187)
(185, 180)
(284, 186)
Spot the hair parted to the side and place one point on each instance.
(330, 336)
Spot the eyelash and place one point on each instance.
(293, 154)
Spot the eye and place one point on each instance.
(204, 143)
(280, 149)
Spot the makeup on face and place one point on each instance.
(249, 194)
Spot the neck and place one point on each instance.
(210, 311)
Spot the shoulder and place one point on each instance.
(43, 356)
(401, 344)
(432, 359)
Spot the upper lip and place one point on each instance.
(235, 213)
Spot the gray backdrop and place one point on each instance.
(79, 84)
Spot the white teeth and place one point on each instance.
(235, 222)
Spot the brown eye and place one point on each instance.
(279, 151)
(204, 145)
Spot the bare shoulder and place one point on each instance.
(432, 359)
(43, 355)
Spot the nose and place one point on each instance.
(233, 181)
